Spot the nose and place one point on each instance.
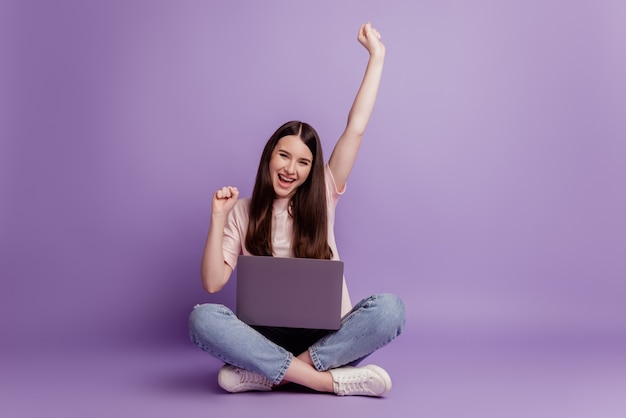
(291, 167)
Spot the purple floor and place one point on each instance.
(432, 376)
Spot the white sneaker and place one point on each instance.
(368, 380)
(233, 379)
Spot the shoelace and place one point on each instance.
(251, 377)
(356, 382)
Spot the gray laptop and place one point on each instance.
(289, 292)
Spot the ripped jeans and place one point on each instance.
(370, 325)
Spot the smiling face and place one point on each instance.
(290, 165)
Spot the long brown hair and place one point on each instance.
(307, 206)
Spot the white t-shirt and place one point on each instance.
(282, 223)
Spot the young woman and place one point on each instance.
(291, 214)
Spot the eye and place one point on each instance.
(304, 163)
(282, 155)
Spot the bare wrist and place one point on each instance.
(219, 218)
(377, 56)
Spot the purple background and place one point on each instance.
(489, 193)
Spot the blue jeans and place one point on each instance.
(370, 325)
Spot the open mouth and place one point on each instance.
(284, 179)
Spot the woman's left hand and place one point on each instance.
(369, 37)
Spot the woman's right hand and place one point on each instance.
(215, 271)
(224, 200)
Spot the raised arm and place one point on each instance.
(215, 271)
(344, 154)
